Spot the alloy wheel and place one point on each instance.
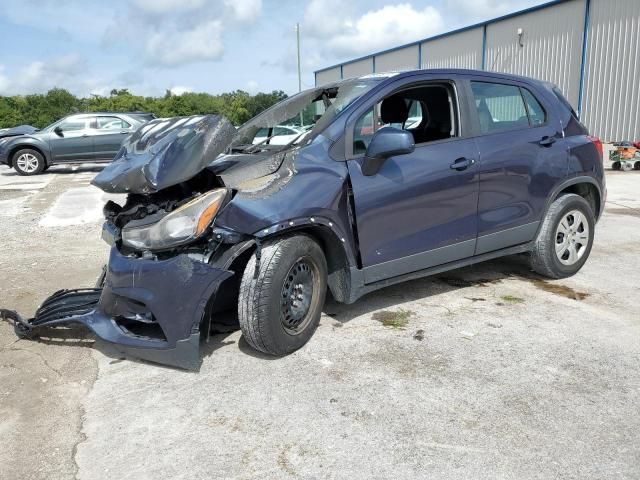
(572, 237)
(28, 162)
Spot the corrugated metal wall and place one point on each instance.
(551, 46)
(552, 50)
(357, 69)
(397, 60)
(326, 76)
(460, 50)
(611, 94)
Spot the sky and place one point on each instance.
(150, 46)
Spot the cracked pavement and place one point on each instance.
(484, 372)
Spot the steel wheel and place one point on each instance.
(28, 162)
(572, 237)
(297, 294)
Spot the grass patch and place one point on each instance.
(511, 299)
(398, 319)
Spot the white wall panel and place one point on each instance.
(398, 60)
(459, 50)
(327, 76)
(357, 69)
(551, 46)
(611, 94)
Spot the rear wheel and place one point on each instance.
(28, 162)
(565, 239)
(280, 301)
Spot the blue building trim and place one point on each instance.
(341, 72)
(419, 56)
(447, 34)
(373, 64)
(583, 61)
(484, 47)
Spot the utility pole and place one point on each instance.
(299, 71)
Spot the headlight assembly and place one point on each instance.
(181, 226)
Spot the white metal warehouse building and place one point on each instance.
(589, 48)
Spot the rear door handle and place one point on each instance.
(547, 141)
(123, 131)
(462, 164)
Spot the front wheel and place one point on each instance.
(280, 301)
(565, 239)
(28, 162)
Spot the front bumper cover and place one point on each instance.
(151, 309)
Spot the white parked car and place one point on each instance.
(281, 135)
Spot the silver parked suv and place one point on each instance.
(81, 137)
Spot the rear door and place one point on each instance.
(420, 209)
(110, 132)
(522, 157)
(74, 142)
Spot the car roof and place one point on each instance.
(457, 71)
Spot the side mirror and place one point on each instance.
(386, 142)
(58, 131)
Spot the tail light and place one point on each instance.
(598, 143)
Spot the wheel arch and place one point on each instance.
(22, 146)
(586, 187)
(335, 247)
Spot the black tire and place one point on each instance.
(267, 309)
(636, 165)
(544, 259)
(616, 166)
(33, 154)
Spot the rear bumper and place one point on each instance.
(4, 157)
(151, 309)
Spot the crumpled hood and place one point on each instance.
(16, 131)
(165, 152)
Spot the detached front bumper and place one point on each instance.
(152, 309)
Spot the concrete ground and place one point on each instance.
(486, 372)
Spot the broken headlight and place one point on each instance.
(181, 226)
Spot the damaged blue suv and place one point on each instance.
(401, 176)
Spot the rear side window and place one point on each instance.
(112, 123)
(500, 107)
(537, 115)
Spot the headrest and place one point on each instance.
(394, 110)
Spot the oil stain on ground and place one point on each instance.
(558, 289)
(398, 319)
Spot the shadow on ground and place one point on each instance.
(476, 275)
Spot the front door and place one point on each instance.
(419, 210)
(74, 142)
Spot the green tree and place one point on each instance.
(41, 110)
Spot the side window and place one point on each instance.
(537, 115)
(73, 124)
(112, 123)
(426, 110)
(500, 107)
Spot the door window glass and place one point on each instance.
(537, 115)
(73, 124)
(424, 110)
(112, 123)
(500, 107)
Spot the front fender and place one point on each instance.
(28, 142)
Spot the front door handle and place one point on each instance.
(547, 141)
(462, 164)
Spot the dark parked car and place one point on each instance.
(82, 137)
(488, 165)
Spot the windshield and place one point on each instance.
(302, 115)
